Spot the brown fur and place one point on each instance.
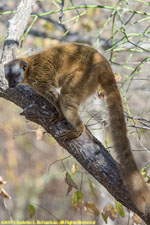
(79, 70)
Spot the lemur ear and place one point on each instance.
(23, 64)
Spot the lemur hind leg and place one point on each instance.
(70, 111)
(55, 102)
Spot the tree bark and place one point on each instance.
(88, 151)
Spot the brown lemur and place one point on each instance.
(78, 70)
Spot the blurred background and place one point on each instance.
(32, 162)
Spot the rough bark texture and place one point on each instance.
(90, 153)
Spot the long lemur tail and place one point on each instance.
(131, 176)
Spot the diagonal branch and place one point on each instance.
(89, 152)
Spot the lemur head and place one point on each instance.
(14, 72)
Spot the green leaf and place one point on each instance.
(104, 217)
(120, 209)
(77, 198)
(31, 211)
(142, 130)
(70, 181)
(143, 171)
(92, 189)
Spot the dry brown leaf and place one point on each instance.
(3, 193)
(110, 211)
(91, 209)
(2, 181)
(136, 219)
(117, 77)
(39, 133)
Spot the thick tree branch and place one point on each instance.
(89, 152)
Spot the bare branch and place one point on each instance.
(70, 37)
